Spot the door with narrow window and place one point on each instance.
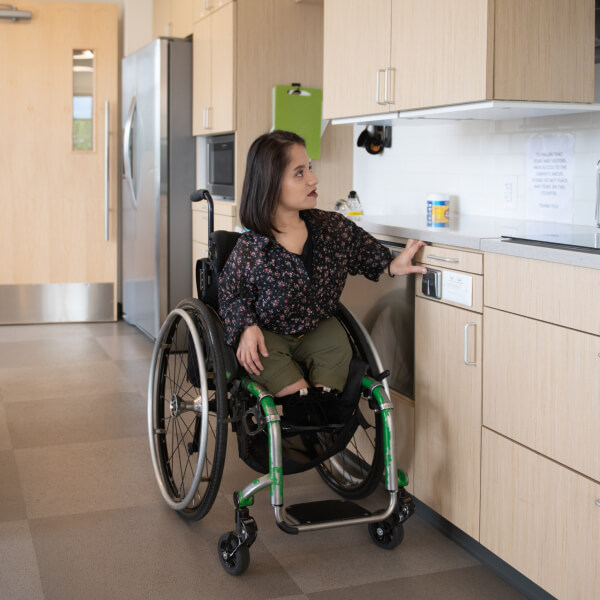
(58, 163)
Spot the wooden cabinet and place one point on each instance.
(541, 518)
(390, 55)
(356, 53)
(215, 72)
(552, 292)
(203, 8)
(542, 388)
(448, 411)
(540, 490)
(172, 18)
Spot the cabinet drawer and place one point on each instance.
(451, 258)
(541, 518)
(552, 292)
(542, 388)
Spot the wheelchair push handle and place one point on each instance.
(200, 195)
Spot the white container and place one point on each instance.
(438, 210)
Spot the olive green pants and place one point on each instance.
(322, 356)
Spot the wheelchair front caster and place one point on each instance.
(234, 555)
(386, 534)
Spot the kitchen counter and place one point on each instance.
(484, 234)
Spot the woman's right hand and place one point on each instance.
(251, 343)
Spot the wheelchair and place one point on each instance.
(197, 390)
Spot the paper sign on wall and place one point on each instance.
(550, 177)
(457, 287)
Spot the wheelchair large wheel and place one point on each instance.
(356, 471)
(187, 409)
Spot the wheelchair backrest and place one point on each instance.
(220, 245)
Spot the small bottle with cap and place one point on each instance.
(354, 206)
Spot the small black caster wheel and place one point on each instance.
(237, 563)
(386, 535)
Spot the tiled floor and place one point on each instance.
(81, 516)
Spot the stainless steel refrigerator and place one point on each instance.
(159, 166)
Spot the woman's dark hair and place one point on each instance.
(267, 160)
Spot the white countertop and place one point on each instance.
(483, 233)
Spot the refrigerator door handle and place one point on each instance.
(106, 171)
(126, 151)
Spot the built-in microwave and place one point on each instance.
(220, 165)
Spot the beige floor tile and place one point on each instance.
(119, 328)
(146, 553)
(122, 347)
(137, 372)
(49, 352)
(48, 331)
(19, 574)
(37, 383)
(78, 478)
(5, 441)
(470, 583)
(353, 559)
(85, 418)
(12, 506)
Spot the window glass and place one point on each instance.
(83, 99)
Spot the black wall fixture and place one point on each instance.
(374, 138)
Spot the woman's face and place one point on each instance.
(298, 184)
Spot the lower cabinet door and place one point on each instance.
(448, 387)
(541, 518)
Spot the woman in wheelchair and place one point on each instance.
(270, 299)
(281, 286)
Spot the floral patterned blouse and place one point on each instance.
(266, 285)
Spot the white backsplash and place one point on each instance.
(472, 161)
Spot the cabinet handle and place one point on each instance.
(442, 258)
(209, 117)
(389, 85)
(207, 5)
(466, 348)
(598, 502)
(379, 72)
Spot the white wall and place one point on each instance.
(472, 161)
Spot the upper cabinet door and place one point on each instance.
(214, 72)
(440, 52)
(356, 57)
(544, 50)
(455, 51)
(222, 114)
(201, 75)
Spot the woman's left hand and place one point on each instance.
(402, 264)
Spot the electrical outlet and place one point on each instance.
(510, 192)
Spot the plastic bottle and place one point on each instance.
(354, 206)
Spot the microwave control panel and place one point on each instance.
(431, 285)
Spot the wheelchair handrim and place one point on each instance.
(153, 392)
